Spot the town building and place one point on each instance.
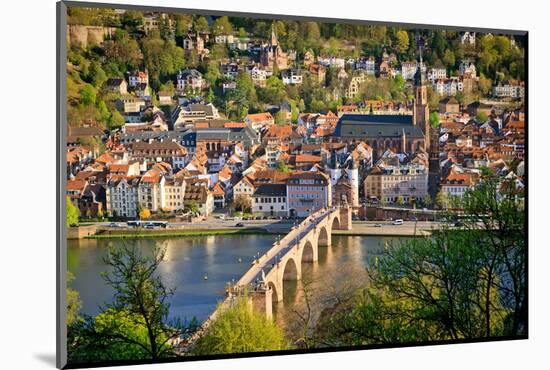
(308, 191)
(118, 85)
(390, 180)
(270, 200)
(121, 195)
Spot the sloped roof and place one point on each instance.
(377, 125)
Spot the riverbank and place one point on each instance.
(387, 228)
(171, 233)
(360, 228)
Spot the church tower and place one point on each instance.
(274, 41)
(421, 111)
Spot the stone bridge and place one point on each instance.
(266, 277)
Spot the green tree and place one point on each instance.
(240, 329)
(103, 111)
(96, 75)
(434, 119)
(451, 285)
(442, 200)
(74, 304)
(135, 325)
(88, 95)
(123, 50)
(72, 213)
(200, 24)
(402, 41)
(116, 120)
(499, 204)
(484, 84)
(222, 26)
(283, 167)
(132, 20)
(280, 118)
(449, 58)
(481, 117)
(427, 200)
(400, 200)
(192, 207)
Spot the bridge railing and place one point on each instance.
(283, 245)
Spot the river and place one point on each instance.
(338, 272)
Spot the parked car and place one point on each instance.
(239, 224)
(397, 222)
(377, 225)
(113, 224)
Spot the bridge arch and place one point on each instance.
(335, 225)
(290, 270)
(277, 292)
(323, 237)
(309, 252)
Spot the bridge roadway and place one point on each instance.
(267, 262)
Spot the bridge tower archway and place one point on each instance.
(335, 223)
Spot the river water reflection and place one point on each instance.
(340, 269)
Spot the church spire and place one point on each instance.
(274, 41)
(419, 75)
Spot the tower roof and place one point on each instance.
(419, 79)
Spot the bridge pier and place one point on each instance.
(284, 261)
(345, 218)
(262, 300)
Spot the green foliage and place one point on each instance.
(434, 119)
(240, 329)
(274, 91)
(88, 95)
(103, 111)
(481, 117)
(222, 26)
(74, 304)
(134, 325)
(92, 16)
(427, 200)
(280, 118)
(96, 76)
(449, 58)
(112, 335)
(72, 213)
(442, 200)
(123, 50)
(162, 58)
(453, 285)
(192, 207)
(116, 120)
(484, 84)
(200, 24)
(283, 167)
(402, 41)
(132, 20)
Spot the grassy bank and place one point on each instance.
(175, 233)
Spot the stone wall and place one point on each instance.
(80, 232)
(85, 36)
